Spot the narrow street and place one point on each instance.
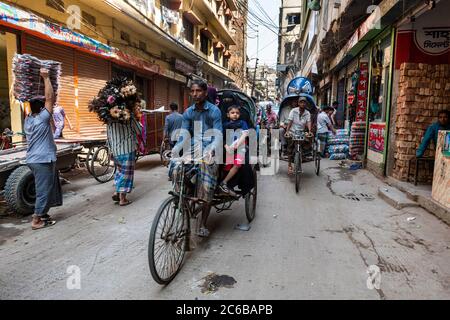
(314, 245)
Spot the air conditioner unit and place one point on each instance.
(337, 4)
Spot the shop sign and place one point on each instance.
(433, 40)
(23, 19)
(376, 137)
(184, 67)
(362, 91)
(137, 62)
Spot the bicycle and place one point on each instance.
(170, 233)
(298, 138)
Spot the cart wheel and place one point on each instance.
(298, 170)
(250, 199)
(103, 168)
(20, 192)
(89, 157)
(168, 241)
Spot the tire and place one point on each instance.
(162, 148)
(166, 216)
(103, 168)
(317, 157)
(20, 192)
(251, 198)
(297, 168)
(89, 156)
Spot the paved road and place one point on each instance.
(315, 245)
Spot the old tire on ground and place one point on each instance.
(20, 192)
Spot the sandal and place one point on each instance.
(126, 203)
(203, 232)
(45, 224)
(290, 171)
(115, 198)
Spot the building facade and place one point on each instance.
(289, 46)
(160, 44)
(385, 63)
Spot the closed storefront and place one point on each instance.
(49, 51)
(82, 76)
(92, 74)
(175, 93)
(161, 92)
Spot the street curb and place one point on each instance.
(396, 198)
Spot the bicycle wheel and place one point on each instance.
(250, 199)
(167, 243)
(298, 170)
(103, 168)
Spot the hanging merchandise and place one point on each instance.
(28, 82)
(377, 70)
(314, 5)
(118, 100)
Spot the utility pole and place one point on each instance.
(256, 64)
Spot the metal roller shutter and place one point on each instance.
(161, 93)
(175, 93)
(46, 50)
(92, 75)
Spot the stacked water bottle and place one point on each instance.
(357, 136)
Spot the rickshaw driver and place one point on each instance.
(208, 116)
(284, 121)
(299, 119)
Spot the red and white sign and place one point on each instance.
(362, 91)
(376, 137)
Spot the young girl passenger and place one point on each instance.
(234, 160)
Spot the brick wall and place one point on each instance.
(423, 91)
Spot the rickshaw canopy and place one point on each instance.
(229, 97)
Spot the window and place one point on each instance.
(293, 18)
(188, 30)
(225, 62)
(216, 55)
(56, 4)
(124, 36)
(204, 44)
(88, 18)
(142, 46)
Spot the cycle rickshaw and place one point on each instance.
(299, 138)
(171, 229)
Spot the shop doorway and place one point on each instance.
(5, 111)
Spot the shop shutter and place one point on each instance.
(161, 93)
(175, 94)
(46, 50)
(92, 74)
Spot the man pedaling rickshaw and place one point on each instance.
(299, 119)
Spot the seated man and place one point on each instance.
(202, 124)
(432, 132)
(299, 120)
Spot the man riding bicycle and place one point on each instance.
(202, 125)
(299, 119)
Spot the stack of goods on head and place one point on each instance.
(338, 145)
(117, 101)
(28, 81)
(357, 136)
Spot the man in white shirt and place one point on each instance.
(324, 126)
(299, 119)
(284, 121)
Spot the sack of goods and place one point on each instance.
(28, 82)
(338, 148)
(338, 156)
(338, 145)
(117, 101)
(357, 138)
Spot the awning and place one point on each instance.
(208, 33)
(227, 54)
(389, 12)
(192, 17)
(219, 45)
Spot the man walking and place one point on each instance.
(324, 126)
(41, 155)
(172, 125)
